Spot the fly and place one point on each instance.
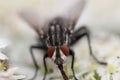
(56, 36)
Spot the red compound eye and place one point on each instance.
(51, 51)
(65, 50)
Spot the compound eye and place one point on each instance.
(50, 51)
(65, 50)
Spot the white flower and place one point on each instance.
(106, 47)
(4, 43)
(7, 74)
(10, 74)
(3, 57)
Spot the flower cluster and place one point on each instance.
(7, 73)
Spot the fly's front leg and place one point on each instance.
(81, 32)
(34, 60)
(45, 66)
(72, 65)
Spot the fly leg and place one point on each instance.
(45, 66)
(81, 32)
(34, 60)
(72, 65)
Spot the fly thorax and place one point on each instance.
(57, 33)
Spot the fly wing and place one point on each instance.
(73, 13)
(36, 20)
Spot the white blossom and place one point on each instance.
(7, 74)
(3, 57)
(10, 74)
(4, 43)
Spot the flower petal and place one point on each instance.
(4, 43)
(3, 57)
